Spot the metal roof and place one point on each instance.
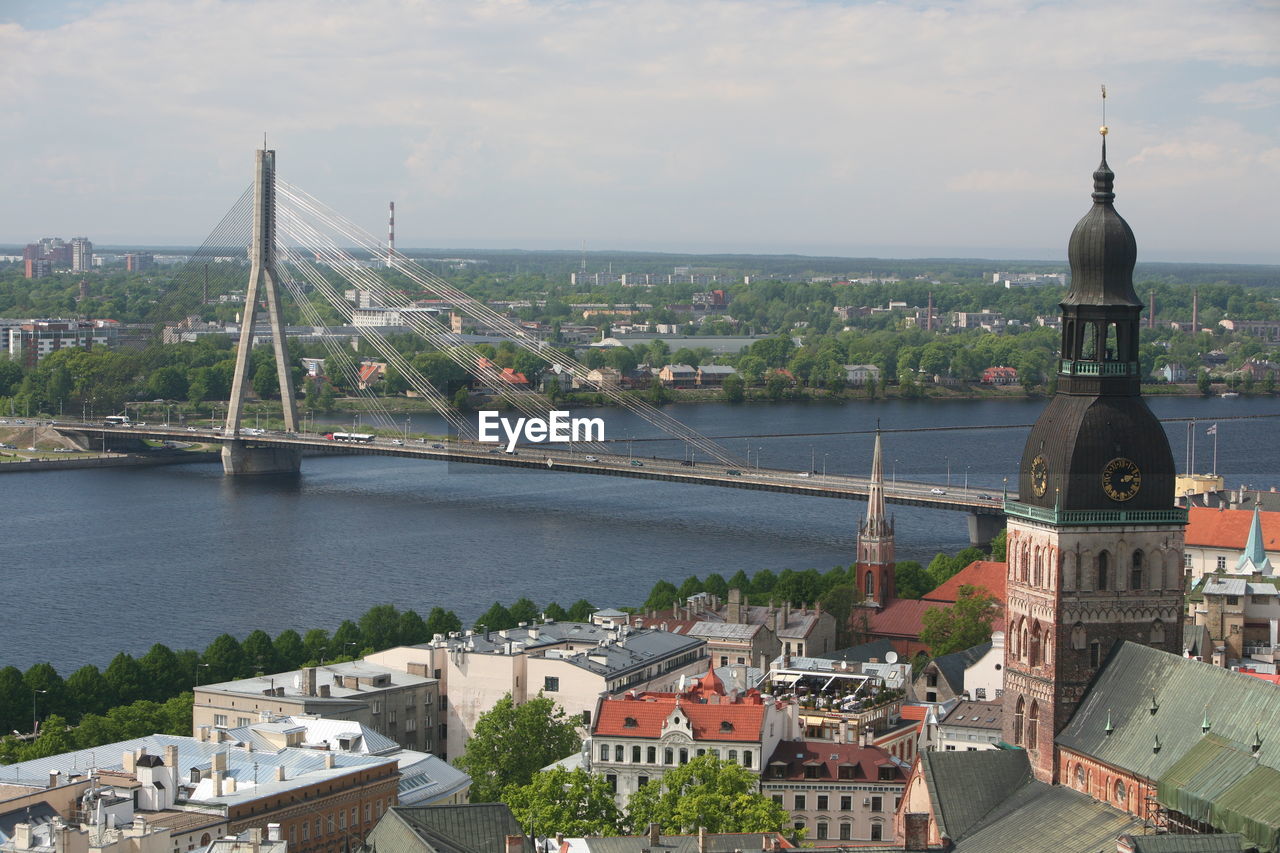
(965, 786)
(1040, 818)
(1220, 783)
(725, 630)
(1185, 691)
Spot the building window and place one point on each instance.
(877, 832)
(1157, 633)
(846, 832)
(220, 720)
(1080, 776)
(635, 755)
(604, 752)
(746, 758)
(1095, 653)
(293, 835)
(1120, 792)
(618, 754)
(551, 684)
(931, 679)
(1135, 575)
(243, 721)
(799, 803)
(1033, 724)
(733, 756)
(306, 832)
(777, 798)
(668, 756)
(1233, 600)
(1186, 560)
(330, 824)
(684, 755)
(1222, 563)
(846, 804)
(877, 804)
(1017, 721)
(368, 812)
(612, 779)
(822, 829)
(724, 660)
(411, 724)
(653, 755)
(342, 820)
(822, 802)
(1103, 560)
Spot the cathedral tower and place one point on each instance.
(875, 564)
(1094, 539)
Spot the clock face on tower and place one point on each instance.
(1121, 479)
(1039, 476)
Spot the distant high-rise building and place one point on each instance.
(139, 261)
(81, 254)
(37, 267)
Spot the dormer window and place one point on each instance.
(630, 723)
(726, 726)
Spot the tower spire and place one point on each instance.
(875, 494)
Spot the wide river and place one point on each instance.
(103, 561)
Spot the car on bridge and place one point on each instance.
(985, 497)
(636, 463)
(936, 491)
(733, 472)
(437, 446)
(590, 459)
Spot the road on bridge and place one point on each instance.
(568, 460)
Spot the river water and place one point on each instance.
(99, 561)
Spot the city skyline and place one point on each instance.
(922, 129)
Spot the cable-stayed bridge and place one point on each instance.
(299, 247)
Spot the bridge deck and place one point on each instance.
(557, 458)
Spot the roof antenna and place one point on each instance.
(264, 133)
(1103, 129)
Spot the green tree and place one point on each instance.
(441, 621)
(411, 629)
(581, 610)
(127, 678)
(662, 596)
(574, 802)
(999, 547)
(511, 742)
(54, 739)
(556, 612)
(347, 641)
(165, 672)
(775, 387)
(962, 625)
(496, 618)
(167, 383)
(706, 792)
(524, 610)
(839, 601)
(462, 400)
(51, 690)
(378, 626)
(260, 653)
(658, 393)
(716, 585)
(691, 586)
(315, 644)
(734, 389)
(910, 580)
(266, 383)
(88, 691)
(1203, 384)
(225, 658)
(290, 649)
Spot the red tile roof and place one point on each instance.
(987, 574)
(1265, 676)
(712, 714)
(902, 618)
(915, 712)
(1229, 528)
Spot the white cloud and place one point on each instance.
(1253, 94)
(720, 123)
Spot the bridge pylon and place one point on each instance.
(264, 280)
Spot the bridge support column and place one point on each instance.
(237, 459)
(983, 528)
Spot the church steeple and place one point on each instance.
(1254, 558)
(875, 565)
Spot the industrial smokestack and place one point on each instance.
(391, 235)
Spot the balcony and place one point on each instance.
(1091, 517)
(1067, 367)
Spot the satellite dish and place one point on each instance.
(892, 657)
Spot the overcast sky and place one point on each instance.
(902, 129)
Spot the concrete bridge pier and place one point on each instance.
(238, 459)
(983, 528)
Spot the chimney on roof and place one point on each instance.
(655, 833)
(309, 681)
(171, 757)
(202, 734)
(230, 787)
(273, 832)
(279, 772)
(130, 761)
(255, 839)
(328, 760)
(324, 691)
(53, 778)
(22, 836)
(515, 843)
(220, 761)
(217, 783)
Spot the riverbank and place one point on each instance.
(107, 460)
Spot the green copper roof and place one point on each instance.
(965, 786)
(1254, 558)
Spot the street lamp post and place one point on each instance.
(948, 459)
(758, 449)
(966, 479)
(34, 723)
(824, 467)
(199, 666)
(895, 473)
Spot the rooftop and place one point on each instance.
(976, 715)
(345, 681)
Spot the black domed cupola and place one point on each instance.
(1097, 447)
(1101, 313)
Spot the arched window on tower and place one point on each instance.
(1135, 575)
(1080, 777)
(1103, 567)
(1079, 639)
(1119, 792)
(1033, 724)
(1157, 633)
(1026, 645)
(1039, 579)
(1046, 641)
(1089, 342)
(1111, 348)
(1017, 721)
(871, 585)
(1033, 653)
